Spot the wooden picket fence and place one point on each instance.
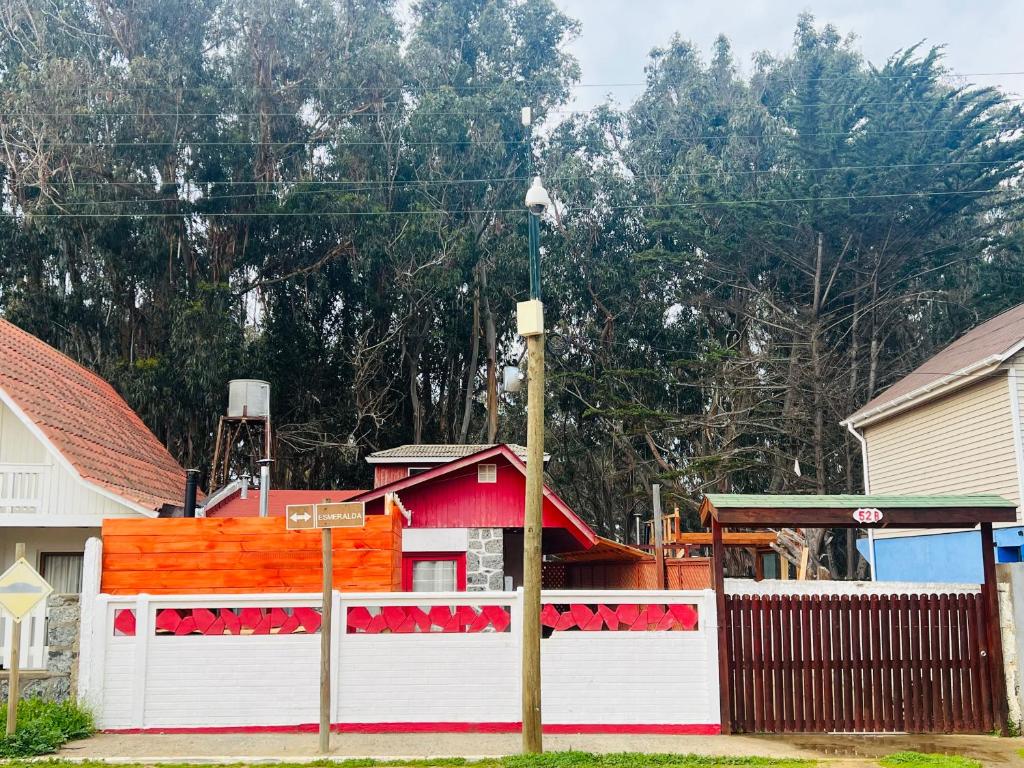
(858, 663)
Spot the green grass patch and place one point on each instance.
(43, 726)
(548, 760)
(918, 760)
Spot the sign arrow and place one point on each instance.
(303, 517)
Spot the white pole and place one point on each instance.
(867, 491)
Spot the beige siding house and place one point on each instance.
(953, 425)
(72, 452)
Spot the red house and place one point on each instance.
(463, 508)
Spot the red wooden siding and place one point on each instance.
(239, 555)
(388, 473)
(459, 501)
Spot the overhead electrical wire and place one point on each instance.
(413, 110)
(332, 89)
(326, 141)
(448, 212)
(343, 185)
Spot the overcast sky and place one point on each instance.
(616, 35)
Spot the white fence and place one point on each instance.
(33, 639)
(619, 660)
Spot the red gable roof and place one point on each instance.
(557, 513)
(87, 422)
(235, 506)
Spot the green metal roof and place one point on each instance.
(843, 501)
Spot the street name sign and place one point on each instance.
(337, 514)
(341, 514)
(22, 589)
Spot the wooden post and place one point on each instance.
(325, 640)
(718, 577)
(532, 528)
(14, 675)
(990, 600)
(659, 536)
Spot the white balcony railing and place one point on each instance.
(33, 639)
(22, 488)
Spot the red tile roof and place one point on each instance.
(972, 355)
(87, 422)
(235, 506)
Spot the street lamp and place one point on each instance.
(531, 326)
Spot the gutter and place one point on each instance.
(906, 400)
(867, 490)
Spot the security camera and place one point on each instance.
(537, 199)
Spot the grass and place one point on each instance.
(547, 760)
(918, 760)
(43, 726)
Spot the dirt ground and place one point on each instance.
(265, 747)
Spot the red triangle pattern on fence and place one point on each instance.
(412, 619)
(626, 617)
(224, 621)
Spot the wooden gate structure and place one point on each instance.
(860, 663)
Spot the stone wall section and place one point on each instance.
(485, 563)
(61, 675)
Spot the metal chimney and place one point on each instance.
(191, 484)
(265, 486)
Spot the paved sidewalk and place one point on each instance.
(302, 747)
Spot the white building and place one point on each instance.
(72, 452)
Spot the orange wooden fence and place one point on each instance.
(237, 555)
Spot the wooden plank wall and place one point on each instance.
(682, 573)
(878, 663)
(246, 555)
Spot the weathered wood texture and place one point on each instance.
(878, 663)
(239, 555)
(681, 573)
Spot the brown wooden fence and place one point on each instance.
(917, 663)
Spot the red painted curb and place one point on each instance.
(682, 729)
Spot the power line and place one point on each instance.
(568, 209)
(412, 110)
(857, 132)
(344, 185)
(334, 89)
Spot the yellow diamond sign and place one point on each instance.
(21, 589)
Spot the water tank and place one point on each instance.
(248, 397)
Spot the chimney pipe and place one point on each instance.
(244, 493)
(265, 486)
(191, 483)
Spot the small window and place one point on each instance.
(417, 471)
(487, 473)
(441, 572)
(63, 570)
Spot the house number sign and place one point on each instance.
(868, 515)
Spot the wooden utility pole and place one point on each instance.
(325, 640)
(659, 536)
(14, 674)
(532, 737)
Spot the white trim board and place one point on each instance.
(1018, 434)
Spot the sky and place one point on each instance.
(616, 36)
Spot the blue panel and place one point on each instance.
(943, 557)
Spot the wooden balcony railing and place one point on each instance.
(23, 488)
